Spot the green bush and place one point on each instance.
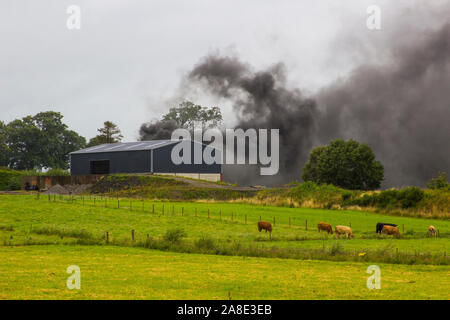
(174, 235)
(10, 179)
(57, 172)
(410, 197)
(391, 199)
(205, 243)
(440, 182)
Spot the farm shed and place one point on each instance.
(140, 157)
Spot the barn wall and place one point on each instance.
(162, 163)
(120, 162)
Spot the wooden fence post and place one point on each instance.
(306, 224)
(132, 235)
(131, 205)
(107, 237)
(163, 210)
(49, 198)
(208, 213)
(118, 203)
(153, 208)
(220, 214)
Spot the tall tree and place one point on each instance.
(4, 150)
(187, 113)
(110, 133)
(41, 141)
(345, 164)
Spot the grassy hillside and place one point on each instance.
(410, 201)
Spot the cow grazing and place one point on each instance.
(344, 230)
(391, 230)
(431, 231)
(325, 226)
(381, 225)
(262, 225)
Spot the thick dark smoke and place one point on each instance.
(262, 101)
(401, 109)
(157, 130)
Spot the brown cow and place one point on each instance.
(344, 230)
(390, 230)
(431, 231)
(325, 226)
(262, 225)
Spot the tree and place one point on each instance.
(187, 113)
(346, 164)
(4, 150)
(110, 133)
(41, 141)
(440, 182)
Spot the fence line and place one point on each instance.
(93, 202)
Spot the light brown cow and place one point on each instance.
(325, 226)
(431, 231)
(344, 230)
(390, 230)
(262, 225)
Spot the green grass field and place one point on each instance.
(62, 224)
(39, 272)
(24, 213)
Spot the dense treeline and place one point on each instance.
(43, 141)
(37, 142)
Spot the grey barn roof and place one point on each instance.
(126, 146)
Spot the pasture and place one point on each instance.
(39, 272)
(47, 233)
(225, 223)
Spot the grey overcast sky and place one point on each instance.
(126, 62)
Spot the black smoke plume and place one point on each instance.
(400, 108)
(157, 130)
(261, 100)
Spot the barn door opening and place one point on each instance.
(100, 167)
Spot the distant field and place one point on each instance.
(39, 272)
(237, 223)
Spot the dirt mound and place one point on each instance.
(57, 189)
(69, 189)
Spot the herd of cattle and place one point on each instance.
(382, 228)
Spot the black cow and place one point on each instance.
(381, 225)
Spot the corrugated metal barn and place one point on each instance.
(139, 157)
